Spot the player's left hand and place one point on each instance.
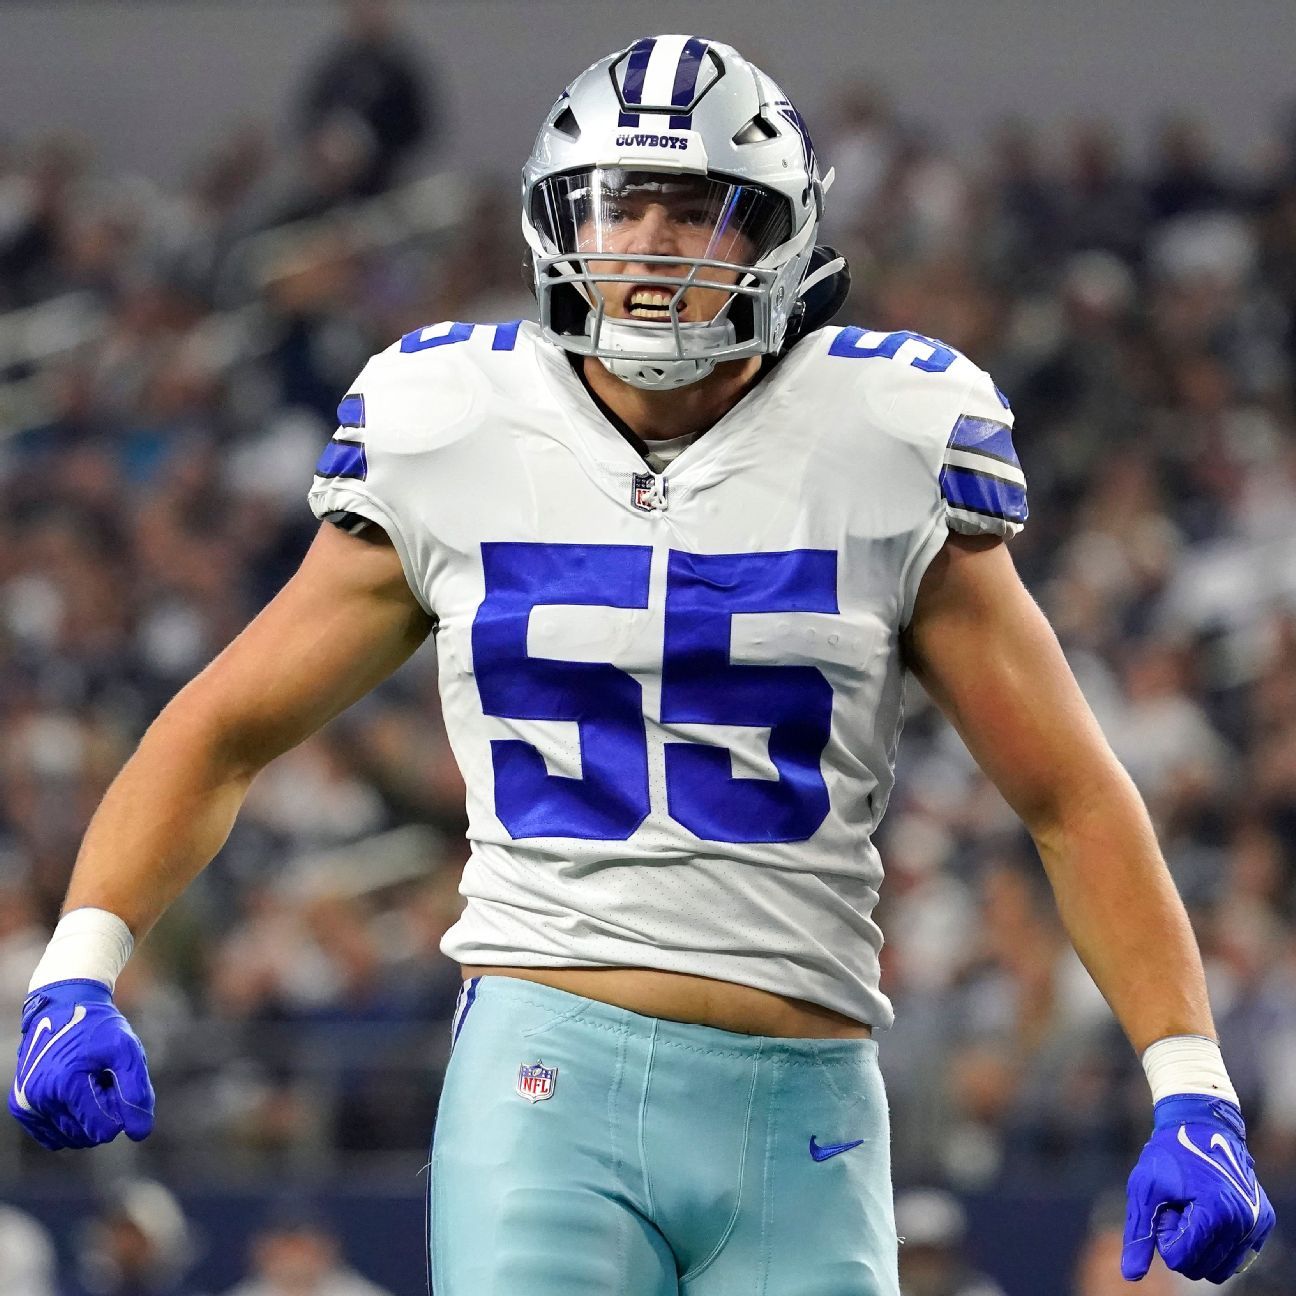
(1193, 1195)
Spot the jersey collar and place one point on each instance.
(613, 446)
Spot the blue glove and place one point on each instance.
(1193, 1195)
(82, 1075)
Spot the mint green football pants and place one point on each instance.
(582, 1150)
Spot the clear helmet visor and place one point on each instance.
(624, 237)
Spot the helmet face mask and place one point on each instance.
(665, 250)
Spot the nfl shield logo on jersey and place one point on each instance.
(648, 492)
(536, 1083)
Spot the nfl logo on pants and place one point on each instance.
(536, 1082)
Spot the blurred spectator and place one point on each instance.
(27, 1261)
(1025, 225)
(22, 935)
(924, 207)
(1103, 206)
(298, 1254)
(862, 142)
(1078, 381)
(1026, 1082)
(139, 1244)
(1184, 176)
(368, 97)
(933, 1230)
(34, 214)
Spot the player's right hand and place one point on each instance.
(82, 1075)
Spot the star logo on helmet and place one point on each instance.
(797, 122)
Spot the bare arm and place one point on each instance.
(341, 625)
(986, 655)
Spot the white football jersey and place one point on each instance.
(675, 698)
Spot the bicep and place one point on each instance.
(343, 623)
(986, 655)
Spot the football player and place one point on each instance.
(678, 543)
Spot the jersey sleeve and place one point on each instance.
(962, 425)
(366, 469)
(981, 478)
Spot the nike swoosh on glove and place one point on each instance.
(82, 1075)
(1193, 1195)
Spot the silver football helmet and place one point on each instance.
(703, 156)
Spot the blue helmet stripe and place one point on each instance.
(686, 75)
(636, 68)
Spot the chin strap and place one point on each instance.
(824, 272)
(820, 295)
(664, 368)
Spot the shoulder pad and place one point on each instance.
(920, 390)
(426, 384)
(410, 400)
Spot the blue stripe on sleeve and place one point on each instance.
(351, 411)
(984, 436)
(981, 493)
(342, 459)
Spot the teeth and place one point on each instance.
(652, 301)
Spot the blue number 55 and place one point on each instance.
(700, 686)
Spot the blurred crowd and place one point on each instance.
(137, 1240)
(170, 360)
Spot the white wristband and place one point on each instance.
(87, 943)
(1187, 1064)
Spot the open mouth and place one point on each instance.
(654, 304)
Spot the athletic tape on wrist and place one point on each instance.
(1187, 1064)
(87, 943)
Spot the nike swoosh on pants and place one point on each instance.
(823, 1152)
